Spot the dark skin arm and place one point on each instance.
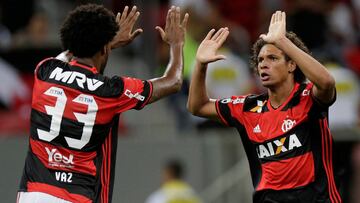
(174, 35)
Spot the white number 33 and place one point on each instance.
(57, 112)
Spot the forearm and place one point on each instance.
(312, 69)
(171, 81)
(197, 94)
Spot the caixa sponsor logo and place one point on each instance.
(137, 96)
(56, 159)
(278, 146)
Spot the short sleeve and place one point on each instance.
(309, 87)
(230, 110)
(135, 95)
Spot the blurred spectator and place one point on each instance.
(352, 57)
(13, 90)
(15, 15)
(348, 97)
(14, 100)
(5, 37)
(229, 77)
(307, 18)
(174, 189)
(355, 160)
(35, 34)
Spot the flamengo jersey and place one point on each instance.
(73, 138)
(289, 148)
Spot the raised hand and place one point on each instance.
(206, 52)
(277, 28)
(174, 31)
(126, 22)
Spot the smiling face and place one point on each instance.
(273, 68)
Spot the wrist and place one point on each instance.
(282, 41)
(202, 65)
(178, 44)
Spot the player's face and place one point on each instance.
(272, 67)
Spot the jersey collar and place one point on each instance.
(87, 67)
(296, 87)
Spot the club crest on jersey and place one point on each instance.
(287, 125)
(278, 146)
(70, 76)
(306, 92)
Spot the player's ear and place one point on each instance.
(105, 49)
(291, 66)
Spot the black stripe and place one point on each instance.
(69, 128)
(302, 134)
(145, 93)
(225, 112)
(111, 87)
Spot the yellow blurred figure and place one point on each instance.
(173, 189)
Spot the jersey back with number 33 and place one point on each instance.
(73, 136)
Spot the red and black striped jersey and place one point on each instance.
(288, 148)
(73, 134)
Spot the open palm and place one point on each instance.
(277, 28)
(206, 52)
(126, 22)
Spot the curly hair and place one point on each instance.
(87, 29)
(298, 74)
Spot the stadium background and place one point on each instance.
(215, 162)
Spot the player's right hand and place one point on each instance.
(206, 52)
(174, 31)
(126, 22)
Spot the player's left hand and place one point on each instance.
(277, 28)
(126, 22)
(175, 29)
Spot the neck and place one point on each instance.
(278, 95)
(89, 62)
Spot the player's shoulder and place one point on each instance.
(253, 101)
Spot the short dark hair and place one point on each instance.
(87, 29)
(175, 168)
(298, 74)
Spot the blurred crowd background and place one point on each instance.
(216, 166)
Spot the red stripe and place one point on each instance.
(103, 174)
(82, 162)
(328, 136)
(108, 164)
(57, 192)
(324, 158)
(327, 161)
(330, 159)
(90, 68)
